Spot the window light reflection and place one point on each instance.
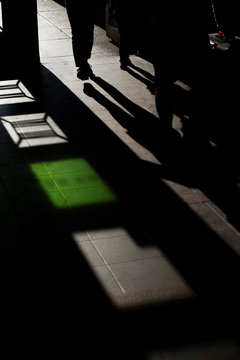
(13, 91)
(130, 273)
(73, 183)
(33, 130)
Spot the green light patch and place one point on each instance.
(75, 180)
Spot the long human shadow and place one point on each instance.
(145, 79)
(128, 115)
(215, 169)
(58, 298)
(126, 172)
(141, 124)
(191, 160)
(179, 170)
(145, 73)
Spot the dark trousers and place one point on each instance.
(128, 17)
(81, 16)
(126, 36)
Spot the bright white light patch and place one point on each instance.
(13, 91)
(33, 130)
(133, 272)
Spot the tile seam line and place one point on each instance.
(106, 264)
(224, 220)
(125, 261)
(57, 187)
(135, 260)
(51, 22)
(207, 203)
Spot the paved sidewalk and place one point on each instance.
(100, 225)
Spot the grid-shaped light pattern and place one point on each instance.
(13, 91)
(37, 129)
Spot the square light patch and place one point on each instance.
(13, 92)
(77, 182)
(33, 130)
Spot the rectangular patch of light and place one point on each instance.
(132, 274)
(13, 91)
(77, 182)
(1, 23)
(33, 130)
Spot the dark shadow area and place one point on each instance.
(51, 299)
(141, 124)
(207, 155)
(19, 38)
(60, 2)
(214, 168)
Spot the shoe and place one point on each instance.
(124, 63)
(84, 72)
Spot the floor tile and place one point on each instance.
(72, 165)
(29, 185)
(7, 208)
(80, 236)
(206, 213)
(123, 248)
(106, 233)
(21, 170)
(55, 48)
(152, 275)
(90, 253)
(46, 5)
(89, 196)
(109, 284)
(214, 350)
(40, 203)
(57, 17)
(76, 180)
(51, 33)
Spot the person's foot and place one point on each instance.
(124, 63)
(84, 71)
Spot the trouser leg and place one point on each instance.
(82, 42)
(82, 25)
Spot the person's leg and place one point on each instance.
(124, 47)
(82, 40)
(125, 28)
(81, 19)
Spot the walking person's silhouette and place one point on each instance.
(81, 16)
(179, 47)
(128, 15)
